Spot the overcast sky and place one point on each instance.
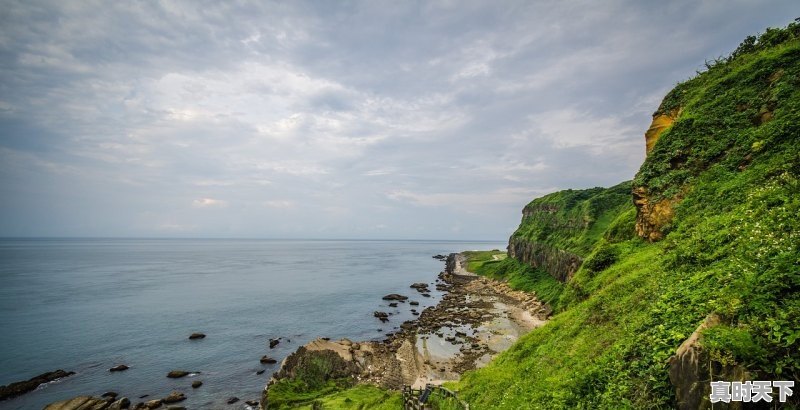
(329, 119)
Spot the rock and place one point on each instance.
(251, 403)
(413, 303)
(393, 304)
(439, 257)
(74, 403)
(195, 336)
(119, 368)
(122, 403)
(19, 388)
(395, 296)
(174, 397)
(153, 404)
(273, 343)
(651, 216)
(420, 287)
(176, 408)
(267, 360)
(260, 371)
(196, 384)
(177, 374)
(383, 316)
(691, 370)
(427, 295)
(111, 394)
(232, 400)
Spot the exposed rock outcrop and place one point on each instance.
(90, 403)
(660, 123)
(559, 263)
(652, 216)
(19, 388)
(691, 371)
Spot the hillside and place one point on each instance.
(688, 273)
(713, 241)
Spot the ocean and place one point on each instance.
(86, 305)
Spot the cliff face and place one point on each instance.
(559, 230)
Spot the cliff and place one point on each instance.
(559, 230)
(689, 273)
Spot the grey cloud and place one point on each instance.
(324, 119)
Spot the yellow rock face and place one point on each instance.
(659, 124)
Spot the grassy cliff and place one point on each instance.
(717, 201)
(689, 272)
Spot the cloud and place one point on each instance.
(122, 118)
(209, 203)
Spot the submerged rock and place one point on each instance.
(119, 368)
(195, 336)
(19, 388)
(268, 360)
(232, 400)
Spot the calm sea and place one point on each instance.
(85, 305)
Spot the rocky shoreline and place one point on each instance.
(476, 319)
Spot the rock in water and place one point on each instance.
(232, 400)
(273, 342)
(174, 397)
(18, 388)
(268, 360)
(196, 384)
(395, 296)
(153, 404)
(177, 374)
(195, 336)
(118, 368)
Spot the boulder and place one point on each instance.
(174, 397)
(177, 374)
(18, 388)
(232, 400)
(195, 336)
(395, 296)
(273, 342)
(267, 360)
(691, 370)
(153, 404)
(196, 384)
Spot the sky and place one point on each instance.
(333, 119)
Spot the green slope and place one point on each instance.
(728, 168)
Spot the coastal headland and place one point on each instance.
(476, 319)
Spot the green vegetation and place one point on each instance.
(363, 397)
(574, 220)
(733, 159)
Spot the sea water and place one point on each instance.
(86, 305)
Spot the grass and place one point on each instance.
(732, 249)
(362, 397)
